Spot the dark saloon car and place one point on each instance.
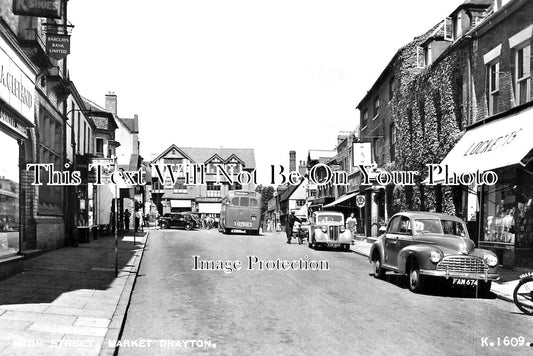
(422, 245)
(185, 221)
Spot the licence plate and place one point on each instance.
(334, 244)
(242, 224)
(464, 282)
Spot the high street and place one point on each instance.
(343, 310)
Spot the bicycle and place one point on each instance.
(523, 293)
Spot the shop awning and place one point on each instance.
(340, 200)
(495, 144)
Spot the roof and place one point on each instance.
(131, 124)
(103, 119)
(204, 154)
(289, 191)
(317, 154)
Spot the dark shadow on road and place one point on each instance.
(90, 266)
(436, 287)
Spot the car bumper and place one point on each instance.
(444, 274)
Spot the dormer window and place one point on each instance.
(423, 56)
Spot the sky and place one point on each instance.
(275, 75)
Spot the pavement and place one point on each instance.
(503, 288)
(69, 301)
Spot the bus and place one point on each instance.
(240, 209)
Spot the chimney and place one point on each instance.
(111, 102)
(292, 161)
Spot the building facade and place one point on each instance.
(199, 196)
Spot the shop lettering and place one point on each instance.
(492, 144)
(15, 87)
(38, 4)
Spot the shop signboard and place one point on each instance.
(57, 45)
(17, 82)
(362, 154)
(40, 8)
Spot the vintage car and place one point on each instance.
(422, 245)
(184, 220)
(327, 230)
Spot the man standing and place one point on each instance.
(290, 224)
(127, 215)
(351, 224)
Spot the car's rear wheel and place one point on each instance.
(416, 280)
(188, 226)
(227, 231)
(377, 269)
(164, 225)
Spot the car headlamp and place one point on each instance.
(324, 229)
(342, 229)
(491, 260)
(435, 256)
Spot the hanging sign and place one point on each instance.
(38, 8)
(58, 46)
(360, 201)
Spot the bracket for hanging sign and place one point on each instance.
(57, 28)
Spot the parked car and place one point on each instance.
(186, 221)
(422, 245)
(327, 230)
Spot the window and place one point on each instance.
(364, 118)
(523, 74)
(180, 188)
(376, 107)
(300, 203)
(213, 190)
(458, 26)
(427, 54)
(391, 90)
(392, 140)
(376, 150)
(99, 145)
(420, 57)
(493, 77)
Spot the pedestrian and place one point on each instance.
(351, 225)
(138, 219)
(127, 215)
(290, 224)
(112, 218)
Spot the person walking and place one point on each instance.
(290, 224)
(138, 218)
(351, 225)
(127, 215)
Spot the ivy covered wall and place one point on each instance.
(429, 110)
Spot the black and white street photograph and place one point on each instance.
(250, 177)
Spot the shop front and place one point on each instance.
(504, 146)
(17, 117)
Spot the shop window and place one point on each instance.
(499, 212)
(9, 197)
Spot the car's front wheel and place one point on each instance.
(164, 225)
(416, 280)
(377, 269)
(188, 226)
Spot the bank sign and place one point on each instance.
(38, 8)
(17, 83)
(58, 46)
